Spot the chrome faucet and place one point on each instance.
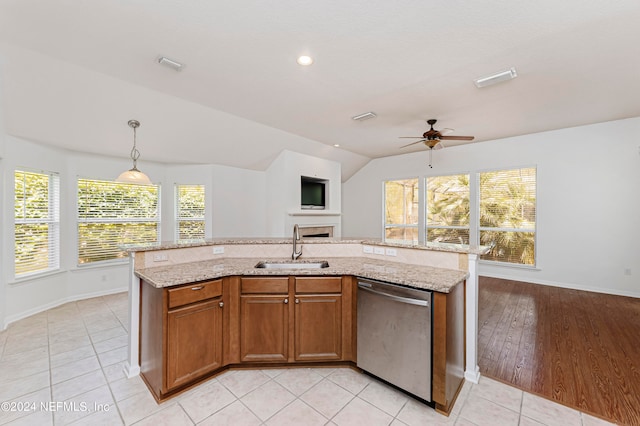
(296, 237)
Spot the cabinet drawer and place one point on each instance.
(318, 285)
(273, 285)
(194, 293)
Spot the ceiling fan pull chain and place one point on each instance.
(430, 157)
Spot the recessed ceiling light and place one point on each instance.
(365, 116)
(304, 60)
(170, 63)
(337, 145)
(496, 78)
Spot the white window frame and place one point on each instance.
(178, 210)
(52, 221)
(131, 220)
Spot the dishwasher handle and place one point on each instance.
(400, 299)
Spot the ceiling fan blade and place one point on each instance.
(410, 137)
(446, 131)
(413, 143)
(438, 146)
(456, 138)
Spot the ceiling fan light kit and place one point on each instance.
(496, 78)
(432, 138)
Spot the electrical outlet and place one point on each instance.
(218, 249)
(391, 252)
(367, 249)
(378, 250)
(160, 257)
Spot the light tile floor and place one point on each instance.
(65, 366)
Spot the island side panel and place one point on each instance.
(448, 347)
(152, 317)
(348, 318)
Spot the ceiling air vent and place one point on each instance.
(365, 116)
(496, 78)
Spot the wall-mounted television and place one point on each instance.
(313, 193)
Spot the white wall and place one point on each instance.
(240, 202)
(283, 183)
(588, 200)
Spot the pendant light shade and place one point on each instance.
(134, 175)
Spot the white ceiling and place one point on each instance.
(76, 72)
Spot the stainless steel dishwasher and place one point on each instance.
(394, 335)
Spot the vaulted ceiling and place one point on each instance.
(74, 73)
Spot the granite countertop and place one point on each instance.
(415, 276)
(166, 245)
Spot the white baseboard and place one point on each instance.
(472, 376)
(59, 302)
(571, 286)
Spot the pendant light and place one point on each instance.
(134, 175)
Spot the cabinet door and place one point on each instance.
(318, 327)
(194, 342)
(264, 325)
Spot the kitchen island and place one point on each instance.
(226, 270)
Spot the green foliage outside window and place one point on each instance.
(508, 215)
(113, 215)
(401, 210)
(36, 222)
(190, 206)
(448, 209)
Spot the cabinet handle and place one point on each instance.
(197, 288)
(286, 301)
(221, 304)
(297, 300)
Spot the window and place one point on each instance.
(401, 204)
(447, 204)
(189, 212)
(111, 215)
(508, 215)
(37, 222)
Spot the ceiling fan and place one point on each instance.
(432, 138)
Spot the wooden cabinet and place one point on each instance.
(190, 332)
(296, 319)
(181, 331)
(264, 319)
(194, 342)
(318, 319)
(264, 328)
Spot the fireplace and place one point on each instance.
(316, 231)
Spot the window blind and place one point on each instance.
(190, 212)
(447, 204)
(112, 215)
(36, 222)
(508, 215)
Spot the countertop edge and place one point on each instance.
(445, 247)
(420, 277)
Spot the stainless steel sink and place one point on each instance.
(276, 264)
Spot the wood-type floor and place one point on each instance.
(579, 348)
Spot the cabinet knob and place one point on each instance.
(221, 304)
(297, 300)
(286, 301)
(197, 288)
